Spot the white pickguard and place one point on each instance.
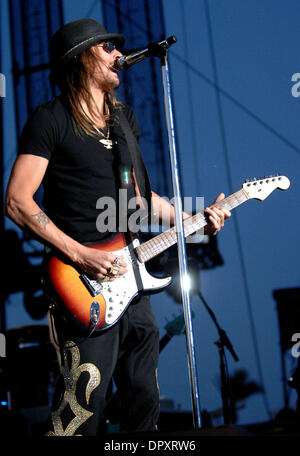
(119, 293)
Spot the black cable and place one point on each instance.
(223, 341)
(241, 106)
(53, 305)
(216, 86)
(237, 230)
(190, 103)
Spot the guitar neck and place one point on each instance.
(163, 241)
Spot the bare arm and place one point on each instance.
(163, 211)
(26, 176)
(166, 212)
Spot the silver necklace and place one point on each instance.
(107, 143)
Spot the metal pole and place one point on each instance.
(2, 295)
(181, 243)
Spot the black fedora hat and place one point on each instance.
(75, 37)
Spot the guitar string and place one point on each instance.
(158, 244)
(161, 242)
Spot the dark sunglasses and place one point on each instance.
(108, 46)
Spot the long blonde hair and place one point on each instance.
(74, 86)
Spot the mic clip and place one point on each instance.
(156, 49)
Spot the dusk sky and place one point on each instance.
(249, 128)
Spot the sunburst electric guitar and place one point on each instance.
(99, 305)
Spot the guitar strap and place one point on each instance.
(137, 160)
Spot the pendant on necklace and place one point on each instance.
(107, 143)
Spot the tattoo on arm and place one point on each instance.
(42, 218)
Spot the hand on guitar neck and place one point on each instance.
(100, 303)
(216, 215)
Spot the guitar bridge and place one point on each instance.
(93, 286)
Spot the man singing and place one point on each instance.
(76, 147)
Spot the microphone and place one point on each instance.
(153, 49)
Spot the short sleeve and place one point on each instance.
(39, 135)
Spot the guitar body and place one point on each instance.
(100, 304)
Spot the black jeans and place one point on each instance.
(127, 352)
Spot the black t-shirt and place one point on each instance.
(82, 174)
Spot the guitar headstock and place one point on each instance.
(261, 188)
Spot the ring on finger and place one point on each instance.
(117, 262)
(115, 270)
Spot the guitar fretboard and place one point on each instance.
(163, 241)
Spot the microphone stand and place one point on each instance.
(222, 342)
(161, 51)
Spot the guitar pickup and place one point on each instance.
(93, 286)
